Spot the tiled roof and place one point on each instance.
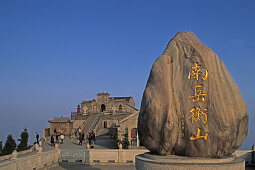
(116, 98)
(60, 120)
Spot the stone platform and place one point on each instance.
(149, 161)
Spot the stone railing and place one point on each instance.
(38, 159)
(2, 158)
(6, 157)
(34, 160)
(121, 156)
(105, 156)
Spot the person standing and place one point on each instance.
(62, 138)
(79, 130)
(57, 138)
(89, 136)
(37, 138)
(94, 136)
(80, 140)
(83, 136)
(52, 140)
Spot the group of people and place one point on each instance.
(52, 140)
(91, 137)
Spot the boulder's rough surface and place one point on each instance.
(191, 110)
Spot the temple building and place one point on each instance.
(61, 125)
(101, 115)
(106, 104)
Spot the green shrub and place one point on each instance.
(1, 147)
(9, 146)
(125, 142)
(23, 141)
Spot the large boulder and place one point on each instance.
(191, 106)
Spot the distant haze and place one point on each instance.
(54, 54)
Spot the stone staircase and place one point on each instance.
(90, 123)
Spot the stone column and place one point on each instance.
(137, 139)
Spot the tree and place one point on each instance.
(23, 141)
(1, 147)
(9, 146)
(125, 143)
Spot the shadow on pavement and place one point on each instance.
(75, 166)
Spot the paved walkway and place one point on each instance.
(102, 142)
(94, 167)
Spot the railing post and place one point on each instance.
(87, 156)
(57, 153)
(14, 157)
(39, 153)
(120, 153)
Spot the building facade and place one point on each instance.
(130, 124)
(106, 104)
(61, 125)
(101, 115)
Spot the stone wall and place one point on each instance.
(130, 123)
(77, 123)
(111, 119)
(46, 132)
(78, 116)
(62, 128)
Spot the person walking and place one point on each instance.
(37, 138)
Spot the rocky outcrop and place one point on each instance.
(191, 106)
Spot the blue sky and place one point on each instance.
(54, 54)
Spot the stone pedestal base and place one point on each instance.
(149, 161)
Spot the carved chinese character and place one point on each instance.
(181, 124)
(197, 71)
(198, 135)
(181, 115)
(198, 115)
(198, 94)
